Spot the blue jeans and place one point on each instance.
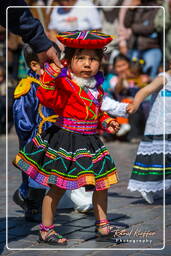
(33, 184)
(152, 58)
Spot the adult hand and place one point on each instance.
(49, 54)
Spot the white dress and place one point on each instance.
(154, 151)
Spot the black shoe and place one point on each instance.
(19, 199)
(34, 204)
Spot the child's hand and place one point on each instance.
(131, 108)
(113, 127)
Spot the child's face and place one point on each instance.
(35, 66)
(85, 64)
(121, 66)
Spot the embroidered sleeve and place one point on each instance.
(51, 92)
(48, 77)
(104, 120)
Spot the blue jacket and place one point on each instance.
(26, 115)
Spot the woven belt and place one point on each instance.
(78, 126)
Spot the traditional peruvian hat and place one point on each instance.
(84, 39)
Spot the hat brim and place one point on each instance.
(92, 40)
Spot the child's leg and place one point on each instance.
(100, 204)
(100, 211)
(50, 202)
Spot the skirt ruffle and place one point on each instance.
(152, 167)
(67, 160)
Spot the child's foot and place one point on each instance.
(52, 238)
(106, 232)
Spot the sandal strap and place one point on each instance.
(53, 237)
(46, 228)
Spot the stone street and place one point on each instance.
(125, 209)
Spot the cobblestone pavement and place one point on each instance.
(127, 210)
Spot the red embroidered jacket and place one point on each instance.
(69, 100)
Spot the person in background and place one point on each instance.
(75, 17)
(144, 42)
(159, 26)
(152, 157)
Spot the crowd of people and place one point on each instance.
(127, 67)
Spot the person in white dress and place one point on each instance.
(152, 168)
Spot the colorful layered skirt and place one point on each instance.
(68, 160)
(152, 167)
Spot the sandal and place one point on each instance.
(111, 235)
(51, 237)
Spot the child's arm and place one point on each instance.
(47, 92)
(108, 123)
(113, 107)
(155, 85)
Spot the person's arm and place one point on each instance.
(108, 123)
(113, 107)
(22, 23)
(155, 85)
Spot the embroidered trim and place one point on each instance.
(79, 126)
(135, 185)
(50, 71)
(24, 86)
(51, 119)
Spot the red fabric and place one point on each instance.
(84, 44)
(62, 95)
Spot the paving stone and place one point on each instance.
(124, 207)
(19, 244)
(81, 235)
(83, 222)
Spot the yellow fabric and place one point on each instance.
(51, 119)
(24, 86)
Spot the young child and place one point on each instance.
(148, 171)
(70, 154)
(30, 116)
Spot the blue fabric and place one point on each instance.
(25, 114)
(27, 119)
(166, 93)
(106, 84)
